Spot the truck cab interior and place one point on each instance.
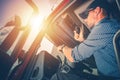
(58, 29)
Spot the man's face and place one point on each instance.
(89, 18)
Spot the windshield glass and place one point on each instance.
(25, 10)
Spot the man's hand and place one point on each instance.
(60, 48)
(79, 37)
(76, 36)
(66, 51)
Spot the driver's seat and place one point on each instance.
(116, 43)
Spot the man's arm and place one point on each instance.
(67, 52)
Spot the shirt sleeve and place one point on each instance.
(97, 39)
(84, 50)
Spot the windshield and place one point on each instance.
(25, 10)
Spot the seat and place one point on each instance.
(116, 43)
(118, 4)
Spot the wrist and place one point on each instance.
(62, 48)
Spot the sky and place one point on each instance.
(10, 8)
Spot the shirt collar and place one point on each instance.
(101, 21)
(104, 19)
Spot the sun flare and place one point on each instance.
(36, 22)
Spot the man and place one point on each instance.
(99, 42)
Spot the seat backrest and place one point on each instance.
(118, 4)
(116, 43)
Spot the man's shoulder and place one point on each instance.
(109, 23)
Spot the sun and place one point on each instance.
(36, 22)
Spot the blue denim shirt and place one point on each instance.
(100, 44)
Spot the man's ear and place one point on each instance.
(97, 10)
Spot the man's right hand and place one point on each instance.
(60, 48)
